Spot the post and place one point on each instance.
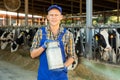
(18, 18)
(32, 12)
(88, 29)
(118, 5)
(72, 10)
(80, 7)
(26, 12)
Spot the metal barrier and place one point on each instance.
(81, 32)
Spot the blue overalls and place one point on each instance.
(43, 72)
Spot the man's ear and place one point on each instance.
(61, 17)
(47, 17)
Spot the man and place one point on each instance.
(53, 32)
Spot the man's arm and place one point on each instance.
(36, 52)
(69, 61)
(70, 49)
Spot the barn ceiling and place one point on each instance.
(69, 6)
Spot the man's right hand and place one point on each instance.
(45, 43)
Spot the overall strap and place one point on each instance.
(43, 35)
(62, 45)
(43, 32)
(61, 34)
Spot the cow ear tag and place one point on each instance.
(22, 32)
(96, 37)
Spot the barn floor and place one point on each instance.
(14, 72)
(22, 59)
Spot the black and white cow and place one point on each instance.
(118, 45)
(104, 50)
(25, 38)
(6, 38)
(20, 40)
(78, 37)
(114, 39)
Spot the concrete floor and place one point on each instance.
(12, 72)
(13, 66)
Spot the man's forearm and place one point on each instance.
(36, 52)
(69, 61)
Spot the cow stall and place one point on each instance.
(79, 37)
(106, 44)
(105, 40)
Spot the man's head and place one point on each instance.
(55, 7)
(54, 15)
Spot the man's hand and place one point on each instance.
(45, 43)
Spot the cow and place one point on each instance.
(78, 38)
(104, 50)
(24, 38)
(16, 37)
(17, 42)
(78, 46)
(114, 39)
(6, 38)
(30, 34)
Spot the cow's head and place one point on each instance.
(102, 39)
(14, 46)
(112, 39)
(6, 38)
(19, 41)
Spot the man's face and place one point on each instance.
(54, 17)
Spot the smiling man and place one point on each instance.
(53, 32)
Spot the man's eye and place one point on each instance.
(56, 15)
(51, 15)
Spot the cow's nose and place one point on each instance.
(107, 48)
